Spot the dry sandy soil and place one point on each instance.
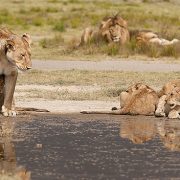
(77, 106)
(109, 65)
(63, 106)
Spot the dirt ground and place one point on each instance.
(77, 106)
(109, 65)
(70, 106)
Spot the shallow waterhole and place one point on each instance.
(74, 146)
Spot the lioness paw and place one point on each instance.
(8, 112)
(160, 114)
(173, 114)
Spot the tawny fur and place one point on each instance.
(169, 134)
(169, 101)
(111, 29)
(138, 99)
(15, 53)
(138, 130)
(143, 37)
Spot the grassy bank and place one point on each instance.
(110, 83)
(56, 25)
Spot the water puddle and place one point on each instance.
(90, 147)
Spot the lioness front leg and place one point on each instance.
(160, 111)
(174, 114)
(10, 82)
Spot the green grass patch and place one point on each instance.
(52, 42)
(70, 17)
(59, 26)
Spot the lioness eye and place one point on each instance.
(22, 55)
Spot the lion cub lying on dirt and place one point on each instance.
(137, 99)
(169, 101)
(140, 99)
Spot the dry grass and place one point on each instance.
(130, 49)
(111, 83)
(104, 79)
(104, 94)
(44, 19)
(100, 78)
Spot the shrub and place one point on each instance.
(59, 26)
(49, 43)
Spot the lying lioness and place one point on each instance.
(115, 29)
(150, 37)
(138, 99)
(169, 101)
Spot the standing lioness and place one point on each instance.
(15, 54)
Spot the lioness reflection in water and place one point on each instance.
(140, 131)
(8, 166)
(169, 132)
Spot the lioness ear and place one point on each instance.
(10, 44)
(27, 38)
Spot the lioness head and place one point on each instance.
(168, 87)
(173, 99)
(18, 51)
(131, 91)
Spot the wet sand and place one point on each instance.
(77, 146)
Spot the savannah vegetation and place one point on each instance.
(56, 26)
(107, 84)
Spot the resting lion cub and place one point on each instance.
(138, 99)
(15, 54)
(169, 104)
(169, 101)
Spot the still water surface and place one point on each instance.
(92, 147)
